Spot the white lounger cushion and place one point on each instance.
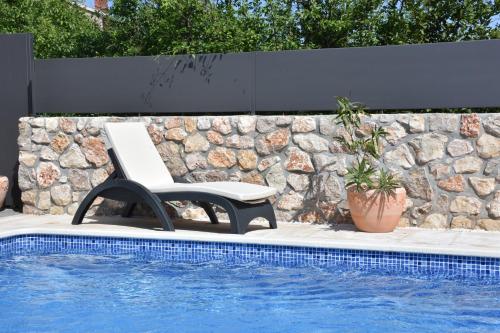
(141, 162)
(137, 155)
(233, 190)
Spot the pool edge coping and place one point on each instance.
(230, 238)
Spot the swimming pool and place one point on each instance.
(83, 284)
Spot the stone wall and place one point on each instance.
(449, 163)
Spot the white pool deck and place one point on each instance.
(452, 242)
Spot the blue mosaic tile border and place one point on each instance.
(289, 256)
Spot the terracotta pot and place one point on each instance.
(4, 187)
(374, 211)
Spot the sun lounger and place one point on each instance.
(141, 176)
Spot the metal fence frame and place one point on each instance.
(443, 75)
(16, 71)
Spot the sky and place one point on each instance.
(90, 3)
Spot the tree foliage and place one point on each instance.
(195, 26)
(60, 28)
(431, 21)
(341, 23)
(149, 27)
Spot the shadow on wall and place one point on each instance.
(15, 191)
(316, 209)
(169, 67)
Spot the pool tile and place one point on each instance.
(289, 256)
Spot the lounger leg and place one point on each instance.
(268, 214)
(84, 206)
(237, 224)
(125, 190)
(241, 214)
(129, 209)
(156, 204)
(210, 211)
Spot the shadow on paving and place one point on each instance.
(180, 224)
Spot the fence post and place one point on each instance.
(16, 69)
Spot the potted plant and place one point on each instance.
(375, 196)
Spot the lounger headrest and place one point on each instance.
(138, 157)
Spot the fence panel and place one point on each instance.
(443, 75)
(181, 84)
(16, 67)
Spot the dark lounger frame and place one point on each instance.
(117, 187)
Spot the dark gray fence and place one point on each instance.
(205, 83)
(444, 75)
(16, 65)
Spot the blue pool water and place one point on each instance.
(125, 293)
